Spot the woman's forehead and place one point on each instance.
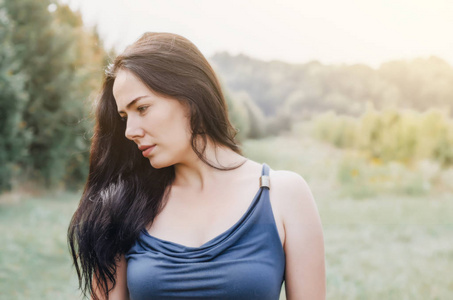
(128, 87)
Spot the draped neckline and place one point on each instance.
(222, 237)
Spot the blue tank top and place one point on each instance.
(247, 261)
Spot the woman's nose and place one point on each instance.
(133, 129)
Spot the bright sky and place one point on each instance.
(331, 31)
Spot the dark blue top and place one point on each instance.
(246, 261)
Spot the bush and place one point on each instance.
(362, 178)
(391, 135)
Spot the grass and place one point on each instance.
(388, 245)
(34, 260)
(392, 248)
(383, 239)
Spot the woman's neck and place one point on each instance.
(198, 175)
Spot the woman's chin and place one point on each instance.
(157, 164)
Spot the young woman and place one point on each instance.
(171, 209)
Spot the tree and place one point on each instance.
(50, 48)
(14, 139)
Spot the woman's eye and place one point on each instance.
(124, 119)
(142, 108)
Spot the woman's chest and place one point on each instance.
(238, 278)
(246, 261)
(192, 220)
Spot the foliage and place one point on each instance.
(346, 173)
(249, 119)
(391, 135)
(60, 64)
(14, 138)
(238, 115)
(305, 90)
(361, 178)
(254, 115)
(281, 122)
(51, 65)
(421, 83)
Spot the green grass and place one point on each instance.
(384, 239)
(391, 248)
(34, 260)
(378, 245)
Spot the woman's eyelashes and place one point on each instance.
(140, 109)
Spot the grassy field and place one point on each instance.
(34, 258)
(388, 239)
(397, 244)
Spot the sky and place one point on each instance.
(294, 31)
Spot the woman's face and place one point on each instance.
(159, 125)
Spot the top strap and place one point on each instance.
(264, 179)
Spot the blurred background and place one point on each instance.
(355, 96)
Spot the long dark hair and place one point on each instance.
(123, 192)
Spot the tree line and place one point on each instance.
(51, 68)
(50, 65)
(405, 136)
(274, 95)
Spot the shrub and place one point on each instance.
(391, 135)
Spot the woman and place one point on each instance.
(171, 209)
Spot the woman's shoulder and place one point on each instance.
(303, 235)
(291, 194)
(288, 183)
(286, 186)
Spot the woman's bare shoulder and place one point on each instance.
(287, 188)
(289, 183)
(304, 241)
(292, 195)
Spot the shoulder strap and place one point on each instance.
(264, 179)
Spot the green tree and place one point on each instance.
(14, 139)
(239, 116)
(305, 90)
(50, 48)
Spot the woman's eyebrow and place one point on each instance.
(133, 102)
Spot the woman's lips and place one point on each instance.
(148, 150)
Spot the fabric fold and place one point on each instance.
(246, 261)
